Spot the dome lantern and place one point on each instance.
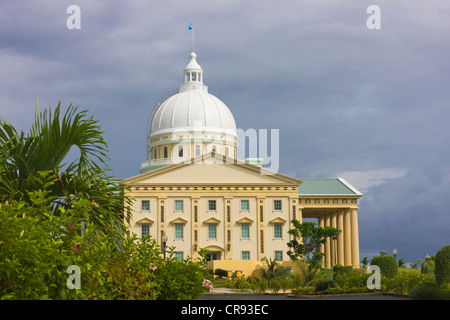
(193, 76)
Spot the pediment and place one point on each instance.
(212, 220)
(211, 172)
(145, 221)
(245, 220)
(179, 220)
(278, 220)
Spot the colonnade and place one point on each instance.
(344, 249)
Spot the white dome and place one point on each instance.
(190, 123)
(193, 107)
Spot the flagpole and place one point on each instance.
(192, 38)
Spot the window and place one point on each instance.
(180, 151)
(244, 205)
(227, 151)
(178, 205)
(212, 205)
(145, 205)
(197, 150)
(178, 231)
(179, 255)
(145, 228)
(245, 231)
(165, 152)
(212, 231)
(214, 149)
(277, 230)
(245, 255)
(279, 255)
(155, 153)
(277, 205)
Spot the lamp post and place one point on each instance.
(395, 253)
(164, 244)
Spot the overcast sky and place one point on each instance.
(371, 106)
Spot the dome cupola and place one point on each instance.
(190, 123)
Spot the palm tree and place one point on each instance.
(365, 262)
(45, 149)
(271, 269)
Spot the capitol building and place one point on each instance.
(193, 191)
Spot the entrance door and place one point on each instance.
(213, 255)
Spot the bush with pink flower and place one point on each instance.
(37, 247)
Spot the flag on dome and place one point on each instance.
(191, 26)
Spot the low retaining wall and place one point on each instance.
(245, 268)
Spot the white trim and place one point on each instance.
(348, 185)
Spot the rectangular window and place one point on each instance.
(212, 231)
(145, 205)
(145, 228)
(178, 205)
(245, 255)
(245, 231)
(279, 255)
(179, 255)
(277, 230)
(212, 205)
(244, 205)
(178, 231)
(277, 205)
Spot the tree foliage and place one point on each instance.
(308, 237)
(37, 246)
(45, 148)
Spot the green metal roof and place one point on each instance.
(336, 186)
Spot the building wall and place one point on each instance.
(229, 241)
(189, 183)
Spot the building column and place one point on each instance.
(347, 239)
(332, 241)
(355, 238)
(328, 244)
(340, 241)
(321, 220)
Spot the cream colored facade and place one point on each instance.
(271, 201)
(194, 190)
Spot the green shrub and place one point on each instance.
(355, 280)
(322, 285)
(442, 265)
(427, 267)
(429, 291)
(387, 264)
(340, 269)
(304, 290)
(221, 273)
(334, 290)
(405, 281)
(37, 247)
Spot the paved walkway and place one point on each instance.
(233, 294)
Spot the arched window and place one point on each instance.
(214, 149)
(197, 150)
(165, 152)
(180, 151)
(227, 151)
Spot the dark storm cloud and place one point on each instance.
(369, 105)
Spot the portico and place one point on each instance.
(333, 202)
